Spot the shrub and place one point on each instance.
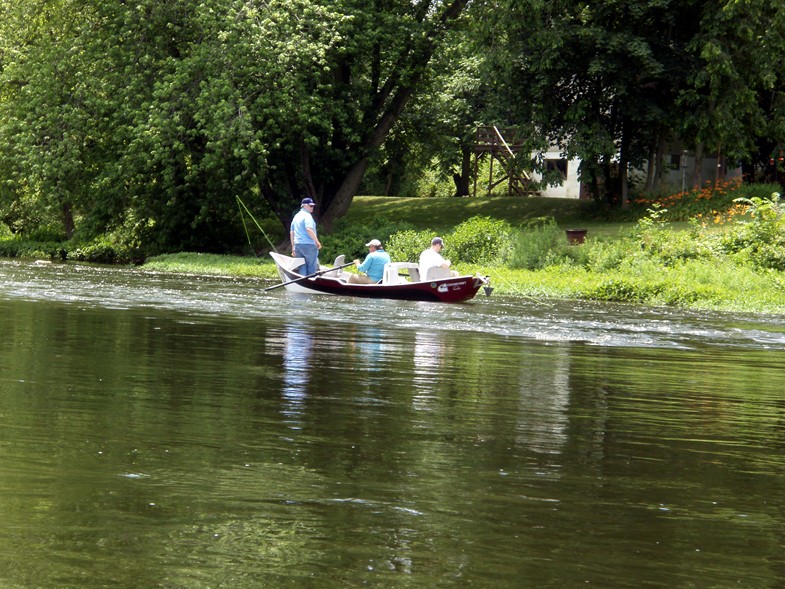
(97, 253)
(350, 240)
(604, 256)
(23, 248)
(624, 290)
(761, 240)
(480, 240)
(542, 244)
(406, 246)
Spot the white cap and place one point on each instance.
(373, 242)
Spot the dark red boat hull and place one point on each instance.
(446, 290)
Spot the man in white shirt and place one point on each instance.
(432, 257)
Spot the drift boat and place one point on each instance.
(401, 281)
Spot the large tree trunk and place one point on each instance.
(624, 186)
(68, 219)
(463, 179)
(662, 144)
(343, 197)
(697, 172)
(399, 93)
(651, 168)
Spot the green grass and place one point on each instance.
(639, 278)
(213, 265)
(445, 213)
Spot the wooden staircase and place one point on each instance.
(491, 143)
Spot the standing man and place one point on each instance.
(373, 266)
(305, 243)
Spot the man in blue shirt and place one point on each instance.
(305, 243)
(373, 266)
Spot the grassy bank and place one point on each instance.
(732, 262)
(696, 284)
(701, 249)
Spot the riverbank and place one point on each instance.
(720, 250)
(695, 284)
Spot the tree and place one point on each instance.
(734, 99)
(163, 112)
(596, 78)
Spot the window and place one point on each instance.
(557, 165)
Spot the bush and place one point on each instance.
(624, 290)
(23, 248)
(543, 244)
(480, 240)
(406, 246)
(350, 240)
(97, 253)
(761, 240)
(604, 256)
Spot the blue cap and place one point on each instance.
(307, 201)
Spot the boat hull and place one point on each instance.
(446, 290)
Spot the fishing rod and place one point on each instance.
(241, 206)
(512, 286)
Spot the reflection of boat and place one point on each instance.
(435, 287)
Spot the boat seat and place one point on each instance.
(437, 273)
(391, 272)
(414, 274)
(337, 272)
(293, 264)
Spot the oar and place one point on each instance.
(319, 273)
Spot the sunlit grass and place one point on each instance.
(213, 265)
(693, 284)
(653, 263)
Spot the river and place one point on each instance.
(169, 431)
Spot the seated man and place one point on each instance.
(373, 266)
(432, 257)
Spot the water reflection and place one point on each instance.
(428, 359)
(543, 402)
(297, 366)
(150, 444)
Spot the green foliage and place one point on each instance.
(541, 244)
(658, 242)
(99, 252)
(212, 264)
(16, 247)
(349, 239)
(760, 241)
(433, 184)
(624, 290)
(480, 240)
(407, 245)
(165, 110)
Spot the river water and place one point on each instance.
(179, 432)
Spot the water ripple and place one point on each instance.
(600, 324)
